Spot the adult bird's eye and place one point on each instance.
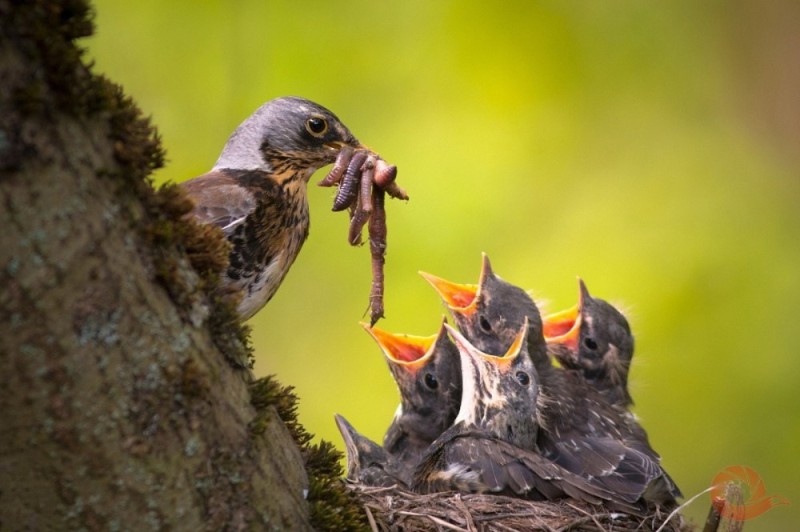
(523, 378)
(317, 126)
(590, 343)
(430, 381)
(484, 323)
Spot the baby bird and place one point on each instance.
(367, 462)
(491, 446)
(579, 428)
(427, 371)
(595, 339)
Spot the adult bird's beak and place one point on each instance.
(337, 145)
(565, 327)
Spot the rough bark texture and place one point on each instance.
(119, 407)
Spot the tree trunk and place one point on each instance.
(118, 409)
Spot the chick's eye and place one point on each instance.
(523, 378)
(430, 381)
(484, 323)
(590, 343)
(317, 126)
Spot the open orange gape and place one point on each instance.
(485, 410)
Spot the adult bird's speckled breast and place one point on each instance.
(256, 192)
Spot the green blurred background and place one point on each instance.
(651, 148)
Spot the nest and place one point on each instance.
(397, 509)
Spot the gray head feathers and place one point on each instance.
(282, 125)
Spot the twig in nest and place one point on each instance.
(372, 524)
(394, 508)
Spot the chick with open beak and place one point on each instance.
(595, 339)
(499, 392)
(578, 427)
(492, 445)
(490, 313)
(427, 371)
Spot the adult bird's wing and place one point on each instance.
(219, 200)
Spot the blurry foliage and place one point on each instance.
(649, 148)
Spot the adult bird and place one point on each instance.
(256, 192)
(427, 371)
(579, 428)
(594, 338)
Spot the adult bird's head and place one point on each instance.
(286, 137)
(499, 392)
(594, 338)
(490, 313)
